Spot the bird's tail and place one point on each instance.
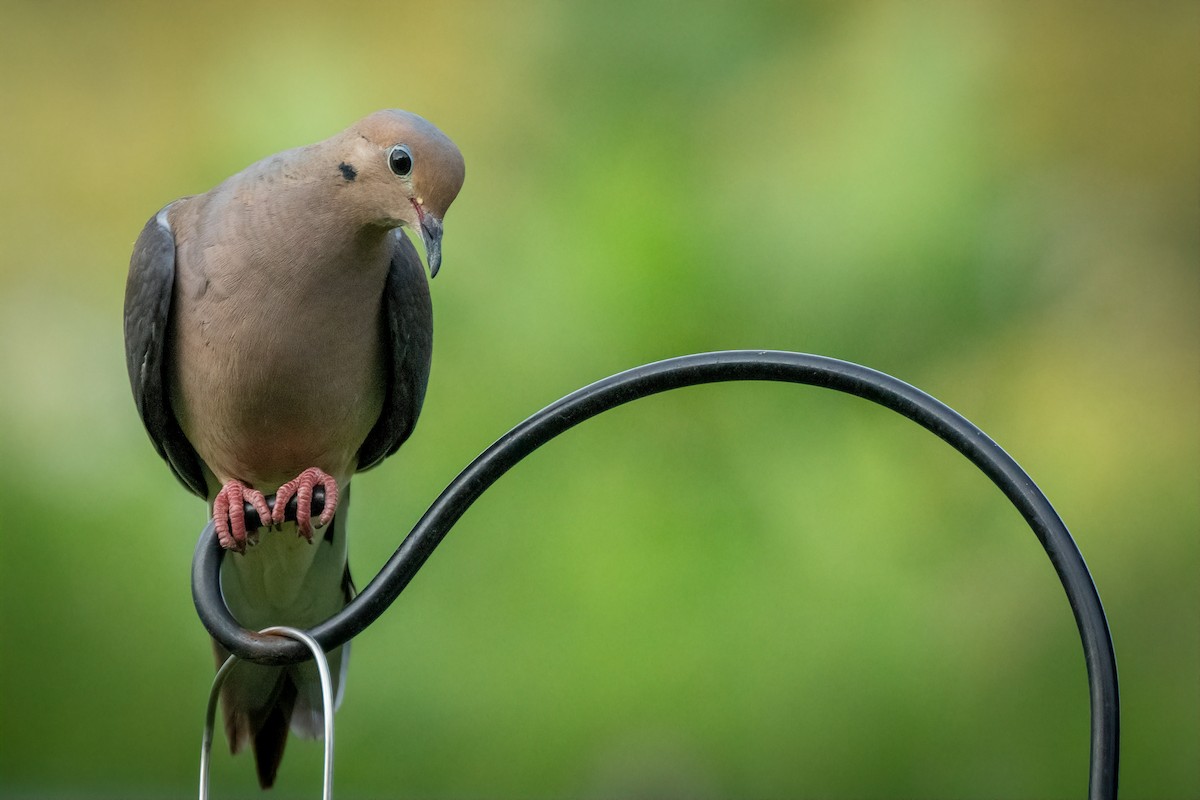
(261, 704)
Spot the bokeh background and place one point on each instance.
(737, 590)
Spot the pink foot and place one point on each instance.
(302, 487)
(229, 513)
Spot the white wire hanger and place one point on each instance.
(326, 700)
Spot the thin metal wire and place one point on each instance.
(729, 365)
(210, 715)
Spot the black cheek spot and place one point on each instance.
(348, 172)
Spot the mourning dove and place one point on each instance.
(278, 332)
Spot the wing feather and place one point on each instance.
(148, 293)
(407, 329)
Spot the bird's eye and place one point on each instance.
(400, 160)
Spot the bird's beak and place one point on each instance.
(431, 234)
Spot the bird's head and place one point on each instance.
(405, 173)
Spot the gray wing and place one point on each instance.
(407, 329)
(147, 324)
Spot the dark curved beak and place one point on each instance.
(431, 234)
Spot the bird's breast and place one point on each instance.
(276, 369)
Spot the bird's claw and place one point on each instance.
(229, 514)
(302, 487)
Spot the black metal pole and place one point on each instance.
(734, 365)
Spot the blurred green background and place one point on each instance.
(736, 590)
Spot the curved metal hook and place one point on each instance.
(730, 365)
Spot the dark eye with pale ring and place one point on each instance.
(400, 160)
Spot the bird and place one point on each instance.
(278, 338)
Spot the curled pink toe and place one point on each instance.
(229, 513)
(302, 488)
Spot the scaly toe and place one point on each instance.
(229, 516)
(282, 496)
(307, 481)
